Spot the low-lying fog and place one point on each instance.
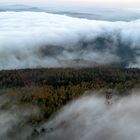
(14, 118)
(86, 118)
(91, 118)
(39, 39)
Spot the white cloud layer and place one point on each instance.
(38, 39)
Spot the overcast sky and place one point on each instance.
(80, 3)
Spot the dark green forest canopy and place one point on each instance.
(99, 76)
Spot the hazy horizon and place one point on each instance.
(77, 3)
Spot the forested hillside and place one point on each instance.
(93, 77)
(50, 89)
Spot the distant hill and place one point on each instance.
(92, 14)
(19, 7)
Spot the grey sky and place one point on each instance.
(80, 3)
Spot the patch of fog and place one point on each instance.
(14, 119)
(91, 118)
(86, 118)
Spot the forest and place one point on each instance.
(50, 89)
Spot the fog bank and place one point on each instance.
(38, 39)
(86, 118)
(91, 118)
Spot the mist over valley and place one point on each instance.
(69, 72)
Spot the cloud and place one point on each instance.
(38, 39)
(91, 118)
